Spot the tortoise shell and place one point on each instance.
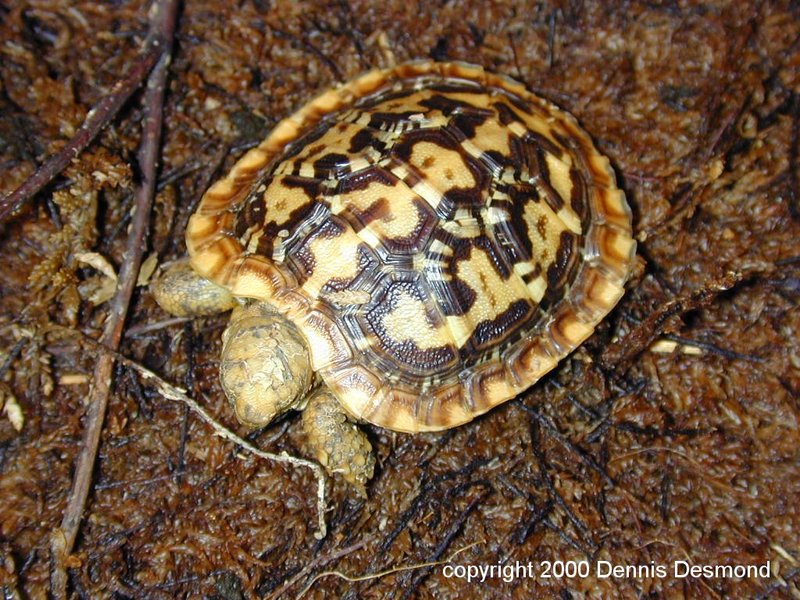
(441, 237)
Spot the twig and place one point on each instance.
(556, 496)
(12, 356)
(618, 354)
(782, 581)
(453, 531)
(171, 392)
(512, 43)
(306, 43)
(538, 515)
(143, 329)
(317, 562)
(714, 349)
(794, 151)
(551, 428)
(188, 382)
(96, 119)
(391, 571)
(203, 183)
(551, 38)
(165, 180)
(703, 470)
(62, 539)
(421, 498)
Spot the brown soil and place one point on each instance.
(622, 454)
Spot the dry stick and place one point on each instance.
(378, 575)
(138, 330)
(176, 394)
(551, 428)
(172, 392)
(96, 119)
(62, 540)
(618, 354)
(317, 562)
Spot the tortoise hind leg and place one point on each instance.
(338, 444)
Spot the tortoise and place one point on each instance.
(409, 249)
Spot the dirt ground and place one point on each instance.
(629, 452)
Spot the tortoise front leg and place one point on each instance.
(338, 444)
(265, 367)
(183, 293)
(265, 370)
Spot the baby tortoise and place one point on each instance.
(429, 240)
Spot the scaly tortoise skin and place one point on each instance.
(440, 236)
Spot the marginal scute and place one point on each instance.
(202, 226)
(612, 247)
(358, 388)
(567, 330)
(256, 278)
(440, 236)
(610, 207)
(393, 405)
(615, 244)
(215, 259)
(592, 292)
(489, 381)
(531, 357)
(449, 405)
(325, 338)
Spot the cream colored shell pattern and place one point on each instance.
(441, 237)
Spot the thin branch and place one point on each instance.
(306, 43)
(544, 472)
(714, 349)
(434, 559)
(550, 427)
(143, 329)
(368, 576)
(704, 471)
(551, 38)
(171, 392)
(96, 119)
(162, 28)
(618, 354)
(317, 562)
(188, 383)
